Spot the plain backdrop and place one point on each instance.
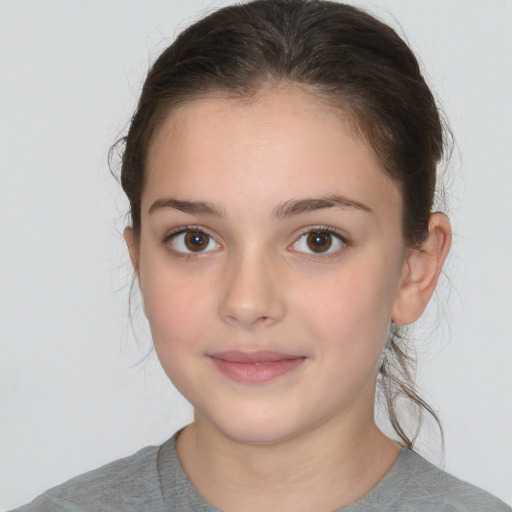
(77, 386)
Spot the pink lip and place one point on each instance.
(255, 367)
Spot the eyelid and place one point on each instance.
(174, 232)
(327, 229)
(343, 239)
(181, 229)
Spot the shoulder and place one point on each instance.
(127, 484)
(413, 483)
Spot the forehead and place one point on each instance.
(282, 143)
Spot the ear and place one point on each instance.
(133, 247)
(421, 271)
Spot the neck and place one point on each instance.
(314, 471)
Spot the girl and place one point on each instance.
(281, 170)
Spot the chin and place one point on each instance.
(259, 429)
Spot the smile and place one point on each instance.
(255, 367)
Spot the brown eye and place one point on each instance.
(319, 241)
(193, 242)
(196, 241)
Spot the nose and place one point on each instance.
(253, 295)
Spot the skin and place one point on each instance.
(305, 440)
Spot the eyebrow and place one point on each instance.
(192, 207)
(284, 210)
(299, 206)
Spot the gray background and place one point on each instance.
(74, 390)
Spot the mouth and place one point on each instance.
(255, 367)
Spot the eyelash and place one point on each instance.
(169, 236)
(344, 241)
(180, 230)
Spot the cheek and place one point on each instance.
(178, 314)
(174, 305)
(350, 312)
(349, 322)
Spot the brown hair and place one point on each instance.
(346, 57)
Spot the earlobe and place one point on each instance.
(421, 271)
(133, 247)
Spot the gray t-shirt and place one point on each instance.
(152, 480)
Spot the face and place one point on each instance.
(270, 258)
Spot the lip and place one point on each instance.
(255, 367)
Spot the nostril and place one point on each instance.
(250, 298)
(248, 320)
